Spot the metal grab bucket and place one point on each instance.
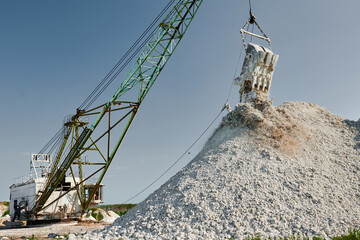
(257, 71)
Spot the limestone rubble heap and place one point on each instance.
(267, 171)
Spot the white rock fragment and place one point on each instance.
(6, 218)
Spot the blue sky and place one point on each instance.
(53, 53)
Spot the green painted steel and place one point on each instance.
(142, 74)
(159, 49)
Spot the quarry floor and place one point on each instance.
(43, 231)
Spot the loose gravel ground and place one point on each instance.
(43, 231)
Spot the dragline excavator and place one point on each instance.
(60, 186)
(66, 174)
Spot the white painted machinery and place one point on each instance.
(25, 191)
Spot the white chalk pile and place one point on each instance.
(267, 171)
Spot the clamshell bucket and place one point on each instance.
(257, 71)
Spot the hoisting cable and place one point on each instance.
(202, 134)
(252, 17)
(129, 51)
(186, 151)
(252, 30)
(252, 21)
(58, 136)
(152, 24)
(237, 67)
(118, 72)
(57, 144)
(52, 140)
(124, 65)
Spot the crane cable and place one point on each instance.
(117, 73)
(237, 67)
(202, 134)
(55, 138)
(187, 150)
(135, 53)
(128, 52)
(90, 99)
(119, 70)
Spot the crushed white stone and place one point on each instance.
(3, 209)
(89, 218)
(108, 216)
(5, 218)
(267, 171)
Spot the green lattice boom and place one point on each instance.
(143, 74)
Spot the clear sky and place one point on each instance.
(53, 53)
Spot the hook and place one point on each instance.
(252, 17)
